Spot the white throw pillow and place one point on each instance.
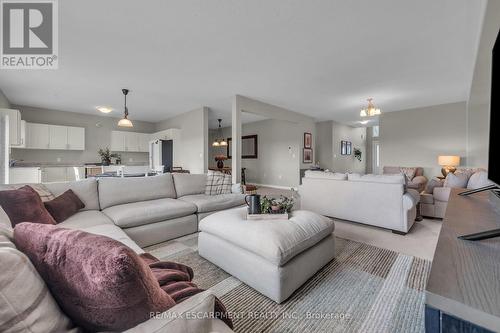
(458, 180)
(218, 183)
(26, 303)
(478, 180)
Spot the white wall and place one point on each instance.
(95, 137)
(416, 137)
(478, 106)
(4, 102)
(328, 145)
(279, 152)
(194, 138)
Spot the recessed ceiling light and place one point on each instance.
(104, 109)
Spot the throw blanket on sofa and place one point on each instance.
(176, 280)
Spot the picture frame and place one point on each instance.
(343, 147)
(307, 140)
(307, 155)
(249, 147)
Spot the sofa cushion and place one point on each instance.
(86, 219)
(64, 206)
(101, 284)
(209, 203)
(426, 198)
(24, 205)
(278, 241)
(188, 184)
(26, 305)
(96, 222)
(118, 191)
(385, 179)
(145, 212)
(478, 180)
(86, 190)
(325, 175)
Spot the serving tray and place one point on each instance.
(267, 216)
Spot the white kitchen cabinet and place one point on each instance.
(58, 137)
(117, 141)
(14, 126)
(37, 136)
(44, 136)
(53, 174)
(132, 141)
(76, 138)
(129, 141)
(144, 139)
(25, 175)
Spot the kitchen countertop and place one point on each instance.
(64, 165)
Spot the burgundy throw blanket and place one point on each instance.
(175, 279)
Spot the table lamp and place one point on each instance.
(449, 164)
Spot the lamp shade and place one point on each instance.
(125, 122)
(449, 160)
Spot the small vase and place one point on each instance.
(220, 164)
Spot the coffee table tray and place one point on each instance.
(267, 216)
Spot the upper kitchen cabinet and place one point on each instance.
(130, 141)
(43, 136)
(15, 138)
(76, 138)
(37, 136)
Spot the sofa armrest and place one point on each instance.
(441, 193)
(194, 315)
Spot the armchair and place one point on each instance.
(418, 182)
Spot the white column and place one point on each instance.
(236, 141)
(4, 149)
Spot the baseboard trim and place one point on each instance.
(276, 186)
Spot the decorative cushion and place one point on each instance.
(218, 183)
(478, 180)
(409, 173)
(26, 305)
(101, 284)
(433, 183)
(226, 185)
(42, 190)
(24, 205)
(64, 206)
(459, 180)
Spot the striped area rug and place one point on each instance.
(364, 289)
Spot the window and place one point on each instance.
(376, 130)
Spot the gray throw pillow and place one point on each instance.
(433, 183)
(458, 180)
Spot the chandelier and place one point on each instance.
(370, 110)
(220, 140)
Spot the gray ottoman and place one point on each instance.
(275, 257)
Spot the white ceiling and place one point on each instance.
(320, 57)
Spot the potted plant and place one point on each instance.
(357, 154)
(105, 156)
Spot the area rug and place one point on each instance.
(364, 289)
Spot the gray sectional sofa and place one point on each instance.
(140, 212)
(149, 210)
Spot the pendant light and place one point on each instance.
(125, 122)
(220, 140)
